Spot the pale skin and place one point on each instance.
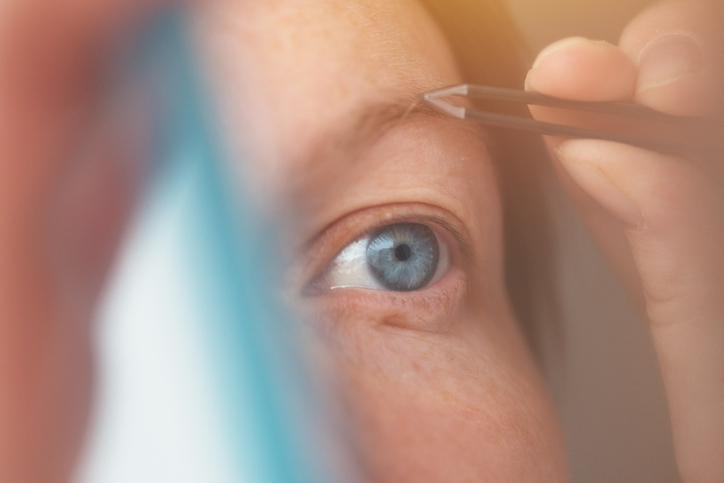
(439, 383)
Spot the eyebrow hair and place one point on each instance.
(348, 140)
(375, 119)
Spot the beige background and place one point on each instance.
(611, 398)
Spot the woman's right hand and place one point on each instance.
(658, 217)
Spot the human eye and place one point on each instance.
(400, 257)
(401, 265)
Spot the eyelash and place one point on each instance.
(365, 223)
(408, 258)
(432, 308)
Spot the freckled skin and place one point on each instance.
(439, 384)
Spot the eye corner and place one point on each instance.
(315, 287)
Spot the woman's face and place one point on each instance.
(319, 96)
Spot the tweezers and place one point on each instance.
(677, 135)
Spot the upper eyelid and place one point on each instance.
(464, 245)
(464, 242)
(316, 254)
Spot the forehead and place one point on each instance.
(291, 72)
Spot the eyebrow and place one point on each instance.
(348, 140)
(352, 139)
(367, 124)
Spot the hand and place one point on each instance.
(65, 190)
(658, 218)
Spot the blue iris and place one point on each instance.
(403, 256)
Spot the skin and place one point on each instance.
(658, 217)
(438, 380)
(439, 383)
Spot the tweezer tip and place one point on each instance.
(433, 99)
(459, 90)
(447, 108)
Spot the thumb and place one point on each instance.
(678, 49)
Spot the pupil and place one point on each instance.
(403, 252)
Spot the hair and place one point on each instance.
(491, 51)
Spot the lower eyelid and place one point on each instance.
(432, 309)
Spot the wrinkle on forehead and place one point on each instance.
(291, 71)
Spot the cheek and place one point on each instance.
(446, 413)
(346, 318)
(462, 404)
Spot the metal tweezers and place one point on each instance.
(678, 135)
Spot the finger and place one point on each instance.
(678, 50)
(669, 209)
(607, 232)
(582, 69)
(671, 215)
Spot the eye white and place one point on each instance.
(350, 268)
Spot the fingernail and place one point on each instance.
(594, 181)
(668, 59)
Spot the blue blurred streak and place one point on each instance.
(275, 408)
